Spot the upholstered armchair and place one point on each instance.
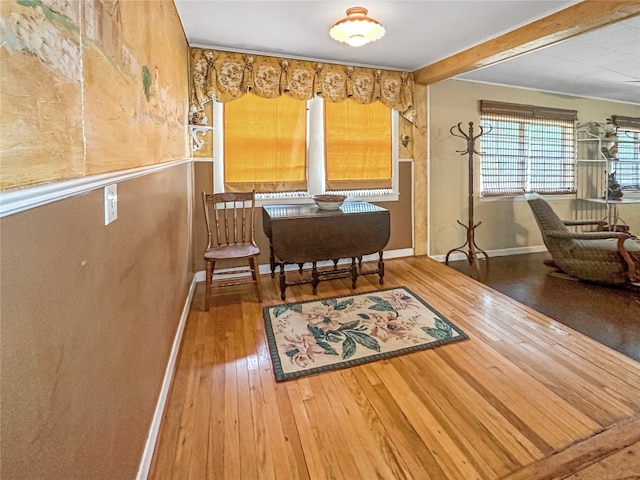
(602, 257)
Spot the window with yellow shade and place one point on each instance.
(284, 147)
(357, 146)
(265, 144)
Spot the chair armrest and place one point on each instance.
(587, 235)
(632, 273)
(574, 223)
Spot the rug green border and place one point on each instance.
(275, 359)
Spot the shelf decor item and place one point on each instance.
(198, 118)
(613, 188)
(605, 131)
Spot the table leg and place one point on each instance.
(354, 272)
(315, 278)
(380, 267)
(283, 281)
(272, 259)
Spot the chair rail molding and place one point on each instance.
(21, 199)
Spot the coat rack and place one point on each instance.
(470, 253)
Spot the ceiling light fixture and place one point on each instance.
(356, 29)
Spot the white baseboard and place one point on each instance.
(152, 436)
(266, 269)
(492, 253)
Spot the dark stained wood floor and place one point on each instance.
(609, 315)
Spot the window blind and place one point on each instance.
(265, 144)
(357, 146)
(526, 148)
(627, 168)
(626, 123)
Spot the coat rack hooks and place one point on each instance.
(471, 226)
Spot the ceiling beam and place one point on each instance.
(574, 20)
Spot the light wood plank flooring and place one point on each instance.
(524, 398)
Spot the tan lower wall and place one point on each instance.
(400, 212)
(88, 316)
(202, 182)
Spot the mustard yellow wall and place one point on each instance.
(506, 223)
(207, 148)
(89, 87)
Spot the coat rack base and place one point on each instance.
(472, 250)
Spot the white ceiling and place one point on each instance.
(601, 64)
(604, 63)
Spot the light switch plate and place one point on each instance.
(110, 203)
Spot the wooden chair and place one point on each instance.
(230, 237)
(602, 257)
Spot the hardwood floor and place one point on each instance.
(524, 397)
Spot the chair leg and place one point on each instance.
(207, 288)
(255, 272)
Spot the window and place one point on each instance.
(265, 145)
(526, 149)
(627, 168)
(358, 146)
(284, 147)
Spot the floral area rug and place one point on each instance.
(320, 335)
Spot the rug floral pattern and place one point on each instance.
(320, 335)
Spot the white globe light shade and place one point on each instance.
(356, 29)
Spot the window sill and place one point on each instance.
(634, 195)
(520, 198)
(393, 197)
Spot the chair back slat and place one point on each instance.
(235, 222)
(216, 213)
(243, 224)
(207, 218)
(229, 214)
(233, 215)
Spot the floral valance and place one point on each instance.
(226, 76)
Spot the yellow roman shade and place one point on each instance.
(357, 146)
(265, 144)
